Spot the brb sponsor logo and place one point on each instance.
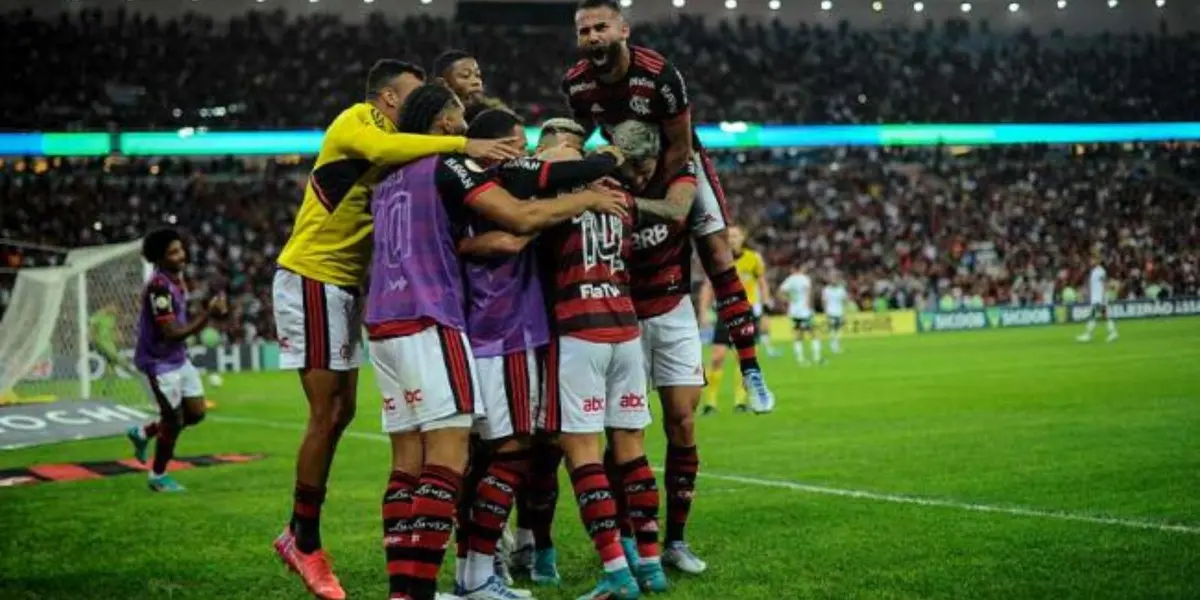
(413, 397)
(593, 405)
(650, 237)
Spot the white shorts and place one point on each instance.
(510, 387)
(426, 379)
(592, 386)
(757, 308)
(319, 325)
(172, 387)
(709, 212)
(671, 343)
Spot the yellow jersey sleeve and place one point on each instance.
(365, 133)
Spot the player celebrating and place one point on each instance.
(163, 330)
(1097, 295)
(615, 82)
(416, 324)
(317, 302)
(596, 383)
(460, 72)
(560, 132)
(797, 289)
(833, 299)
(660, 274)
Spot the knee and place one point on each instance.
(343, 414)
(191, 418)
(681, 427)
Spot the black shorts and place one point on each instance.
(804, 324)
(721, 334)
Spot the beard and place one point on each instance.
(604, 58)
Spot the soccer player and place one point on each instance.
(596, 383)
(559, 140)
(460, 72)
(161, 354)
(317, 299)
(660, 282)
(615, 82)
(508, 327)
(560, 132)
(833, 299)
(1097, 296)
(797, 289)
(416, 324)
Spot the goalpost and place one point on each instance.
(69, 331)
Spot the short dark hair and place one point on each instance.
(493, 124)
(155, 244)
(445, 60)
(385, 70)
(613, 4)
(486, 103)
(422, 107)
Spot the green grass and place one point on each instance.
(1010, 418)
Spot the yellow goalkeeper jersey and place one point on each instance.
(750, 267)
(331, 238)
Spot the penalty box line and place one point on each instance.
(1018, 511)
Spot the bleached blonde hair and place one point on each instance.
(637, 139)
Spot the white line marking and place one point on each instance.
(937, 502)
(1019, 511)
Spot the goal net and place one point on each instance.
(69, 332)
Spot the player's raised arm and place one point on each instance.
(463, 178)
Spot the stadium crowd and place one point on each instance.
(1013, 225)
(119, 69)
(909, 228)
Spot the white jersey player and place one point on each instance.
(833, 298)
(1097, 296)
(797, 290)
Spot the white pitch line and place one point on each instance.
(1019, 511)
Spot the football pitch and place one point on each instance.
(998, 464)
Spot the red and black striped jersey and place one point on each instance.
(661, 269)
(585, 265)
(652, 91)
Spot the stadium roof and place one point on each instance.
(1039, 15)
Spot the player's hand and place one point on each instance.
(608, 202)
(613, 151)
(218, 306)
(501, 149)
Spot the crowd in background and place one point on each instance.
(95, 70)
(908, 228)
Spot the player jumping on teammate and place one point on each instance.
(317, 290)
(161, 354)
(615, 82)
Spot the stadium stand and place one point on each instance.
(1013, 225)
